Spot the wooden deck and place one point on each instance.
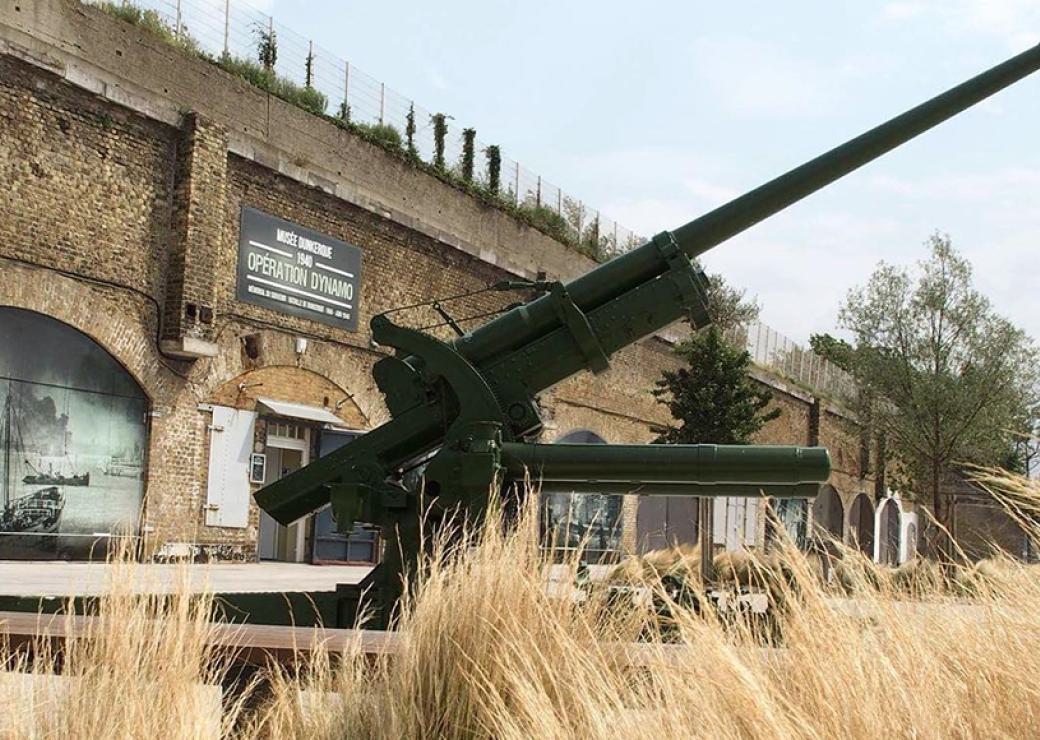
(260, 643)
(251, 643)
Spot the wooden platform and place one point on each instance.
(252, 643)
(59, 579)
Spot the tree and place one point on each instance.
(712, 398)
(947, 378)
(837, 351)
(729, 307)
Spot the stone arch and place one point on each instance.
(889, 534)
(581, 437)
(243, 348)
(279, 381)
(828, 514)
(78, 420)
(120, 323)
(861, 524)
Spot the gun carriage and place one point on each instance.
(465, 412)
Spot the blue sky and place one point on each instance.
(654, 112)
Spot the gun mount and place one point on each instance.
(464, 412)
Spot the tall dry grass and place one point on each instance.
(489, 651)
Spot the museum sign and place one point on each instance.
(287, 268)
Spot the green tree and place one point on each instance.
(837, 351)
(948, 378)
(712, 398)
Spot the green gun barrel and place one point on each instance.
(691, 470)
(518, 328)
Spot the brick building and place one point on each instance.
(126, 168)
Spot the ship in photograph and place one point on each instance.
(38, 512)
(50, 478)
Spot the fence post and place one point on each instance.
(516, 183)
(178, 30)
(538, 193)
(382, 101)
(227, 26)
(346, 87)
(559, 201)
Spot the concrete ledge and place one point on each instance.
(189, 348)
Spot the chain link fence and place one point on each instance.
(249, 42)
(772, 350)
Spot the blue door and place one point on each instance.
(361, 545)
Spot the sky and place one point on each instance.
(655, 112)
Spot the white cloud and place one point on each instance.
(755, 79)
(1016, 22)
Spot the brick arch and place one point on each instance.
(289, 383)
(346, 368)
(580, 436)
(107, 317)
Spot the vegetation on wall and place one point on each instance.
(469, 139)
(568, 228)
(440, 133)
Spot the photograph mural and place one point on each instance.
(73, 435)
(591, 521)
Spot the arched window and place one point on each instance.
(888, 533)
(73, 436)
(592, 520)
(861, 524)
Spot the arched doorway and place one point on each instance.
(573, 520)
(888, 533)
(828, 514)
(861, 524)
(289, 416)
(73, 436)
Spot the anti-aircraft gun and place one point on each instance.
(464, 412)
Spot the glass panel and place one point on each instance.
(73, 436)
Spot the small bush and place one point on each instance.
(252, 72)
(151, 21)
(383, 134)
(548, 222)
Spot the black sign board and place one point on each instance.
(294, 270)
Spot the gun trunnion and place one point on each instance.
(463, 411)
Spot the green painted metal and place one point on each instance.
(464, 412)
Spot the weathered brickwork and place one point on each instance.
(116, 220)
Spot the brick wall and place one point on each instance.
(117, 214)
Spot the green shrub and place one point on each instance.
(548, 222)
(381, 133)
(252, 72)
(151, 21)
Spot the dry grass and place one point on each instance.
(919, 651)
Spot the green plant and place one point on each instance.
(304, 97)
(494, 166)
(548, 222)
(308, 69)
(343, 114)
(151, 21)
(712, 398)
(266, 46)
(409, 131)
(469, 137)
(440, 132)
(383, 134)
